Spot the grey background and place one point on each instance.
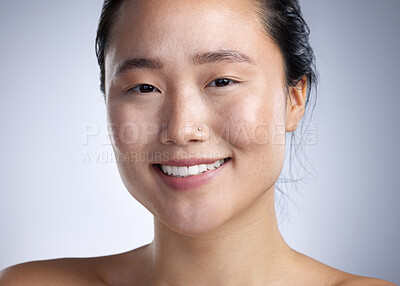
(53, 203)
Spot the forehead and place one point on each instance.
(157, 11)
(160, 24)
(174, 32)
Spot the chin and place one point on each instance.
(194, 222)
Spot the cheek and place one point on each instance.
(257, 134)
(260, 120)
(130, 133)
(130, 129)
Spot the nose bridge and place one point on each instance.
(183, 116)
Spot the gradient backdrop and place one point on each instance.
(61, 194)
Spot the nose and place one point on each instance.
(183, 122)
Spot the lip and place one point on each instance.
(191, 182)
(190, 161)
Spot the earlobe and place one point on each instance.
(295, 104)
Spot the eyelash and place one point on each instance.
(133, 89)
(225, 80)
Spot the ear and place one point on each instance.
(295, 104)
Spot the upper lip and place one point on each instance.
(191, 161)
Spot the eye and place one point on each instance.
(221, 82)
(143, 88)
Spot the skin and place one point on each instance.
(224, 232)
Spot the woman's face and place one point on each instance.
(173, 66)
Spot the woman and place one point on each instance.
(199, 96)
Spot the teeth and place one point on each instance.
(193, 170)
(186, 171)
(174, 170)
(183, 171)
(210, 166)
(202, 168)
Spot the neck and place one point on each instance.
(246, 250)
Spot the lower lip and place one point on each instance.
(191, 182)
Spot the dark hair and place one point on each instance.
(283, 22)
(108, 14)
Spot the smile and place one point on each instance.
(184, 178)
(187, 171)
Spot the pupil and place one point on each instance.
(146, 88)
(222, 82)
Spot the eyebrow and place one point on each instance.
(137, 63)
(229, 56)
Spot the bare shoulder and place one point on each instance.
(318, 273)
(119, 269)
(63, 271)
(354, 280)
